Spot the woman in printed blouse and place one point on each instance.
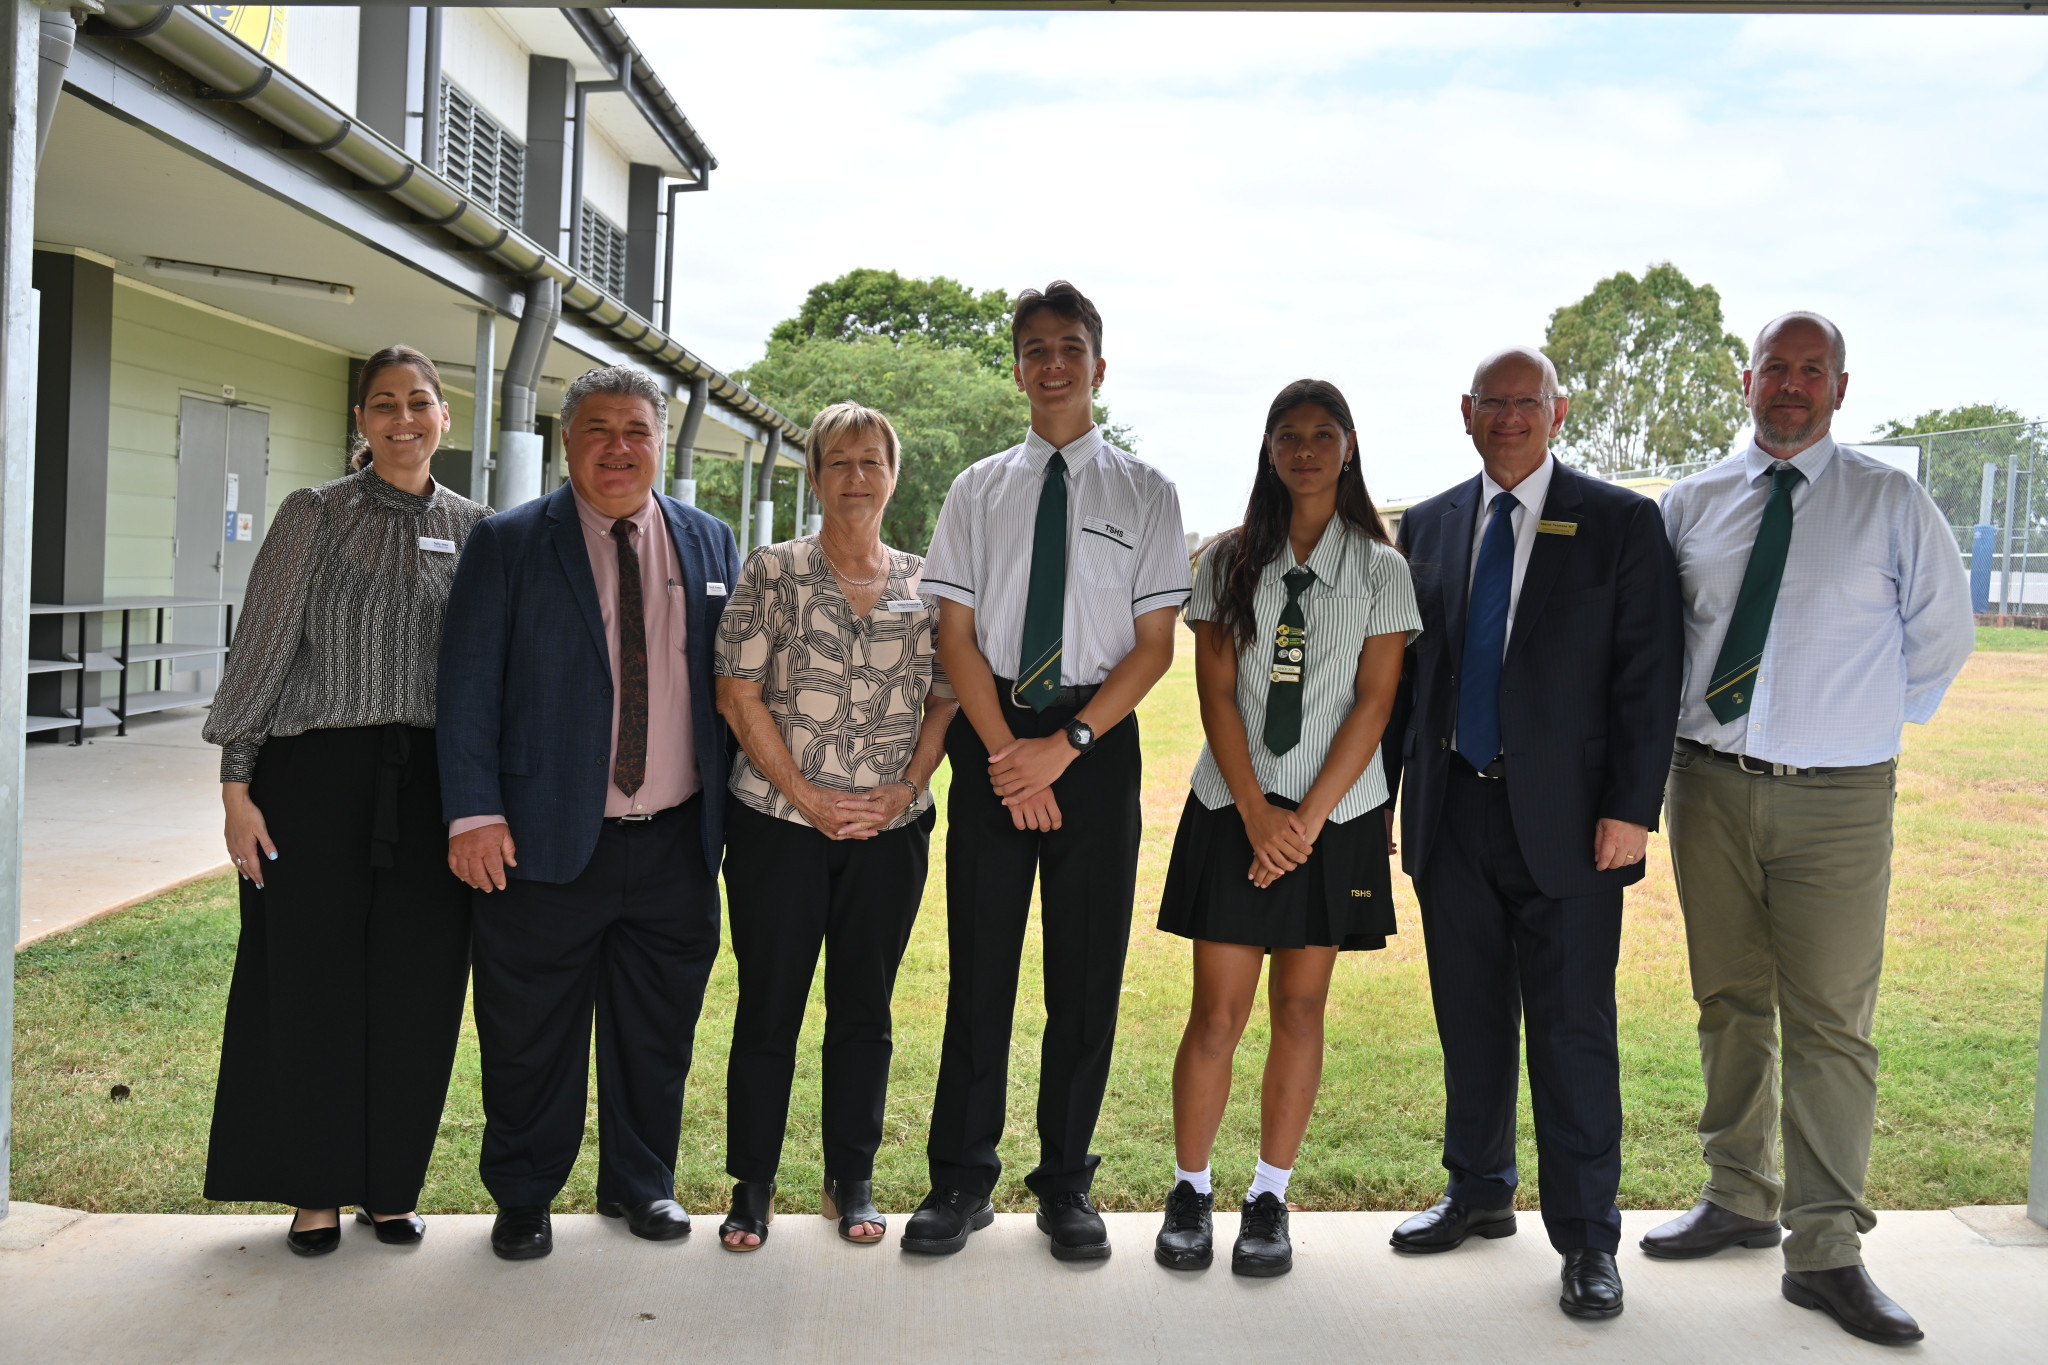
(354, 957)
(827, 672)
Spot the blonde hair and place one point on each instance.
(848, 419)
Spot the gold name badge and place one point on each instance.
(1557, 528)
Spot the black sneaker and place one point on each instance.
(1262, 1247)
(1076, 1229)
(1186, 1241)
(942, 1222)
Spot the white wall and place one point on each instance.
(607, 177)
(480, 54)
(320, 50)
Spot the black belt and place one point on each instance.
(1493, 771)
(643, 818)
(1069, 698)
(1757, 767)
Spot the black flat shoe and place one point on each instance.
(1705, 1229)
(943, 1221)
(1446, 1224)
(1263, 1249)
(753, 1209)
(395, 1232)
(1857, 1305)
(313, 1241)
(1592, 1284)
(658, 1220)
(1076, 1229)
(522, 1232)
(1186, 1241)
(852, 1202)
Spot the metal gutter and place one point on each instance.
(230, 71)
(611, 43)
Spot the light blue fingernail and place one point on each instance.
(272, 855)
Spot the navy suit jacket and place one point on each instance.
(1589, 686)
(525, 700)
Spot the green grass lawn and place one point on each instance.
(136, 1000)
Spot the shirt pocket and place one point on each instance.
(1106, 557)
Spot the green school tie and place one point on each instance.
(1283, 680)
(1733, 685)
(1045, 604)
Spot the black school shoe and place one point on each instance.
(522, 1232)
(943, 1221)
(1186, 1240)
(1076, 1229)
(1263, 1249)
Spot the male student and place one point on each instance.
(1062, 566)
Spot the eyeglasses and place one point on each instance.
(1531, 407)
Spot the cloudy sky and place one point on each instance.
(1377, 199)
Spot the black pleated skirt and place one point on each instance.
(1342, 896)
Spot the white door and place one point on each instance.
(223, 467)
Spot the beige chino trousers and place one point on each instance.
(1783, 882)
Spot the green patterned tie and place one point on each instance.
(1733, 685)
(1283, 680)
(1045, 605)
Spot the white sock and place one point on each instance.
(1269, 1180)
(1199, 1179)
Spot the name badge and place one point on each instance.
(1557, 528)
(439, 547)
(714, 589)
(1101, 526)
(904, 604)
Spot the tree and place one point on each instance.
(1654, 376)
(1952, 469)
(883, 303)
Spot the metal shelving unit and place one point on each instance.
(79, 718)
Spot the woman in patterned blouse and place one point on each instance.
(828, 674)
(354, 958)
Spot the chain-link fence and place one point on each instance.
(1982, 478)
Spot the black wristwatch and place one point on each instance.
(1080, 736)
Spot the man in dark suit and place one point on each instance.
(583, 769)
(1535, 726)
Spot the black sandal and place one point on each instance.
(852, 1202)
(753, 1209)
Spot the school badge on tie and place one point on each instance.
(1283, 678)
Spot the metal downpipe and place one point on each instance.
(685, 485)
(764, 506)
(55, 36)
(520, 453)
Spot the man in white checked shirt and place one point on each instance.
(1825, 605)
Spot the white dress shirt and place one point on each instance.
(1872, 621)
(1126, 552)
(1529, 495)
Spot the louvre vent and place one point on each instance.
(478, 156)
(604, 252)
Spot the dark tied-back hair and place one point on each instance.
(1060, 298)
(1242, 554)
(390, 356)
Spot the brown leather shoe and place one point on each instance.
(1706, 1229)
(1849, 1297)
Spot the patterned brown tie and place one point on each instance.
(629, 768)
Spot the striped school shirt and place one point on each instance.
(1126, 552)
(1361, 589)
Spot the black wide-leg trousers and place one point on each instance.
(1087, 872)
(1502, 953)
(791, 892)
(628, 943)
(348, 984)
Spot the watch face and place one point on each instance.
(1081, 734)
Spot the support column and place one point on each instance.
(685, 486)
(764, 504)
(480, 462)
(544, 216)
(746, 522)
(643, 230)
(20, 21)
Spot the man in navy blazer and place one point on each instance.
(1535, 724)
(583, 769)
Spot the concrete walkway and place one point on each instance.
(148, 1288)
(118, 819)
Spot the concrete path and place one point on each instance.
(148, 1288)
(118, 820)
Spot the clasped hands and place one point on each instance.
(1281, 839)
(1022, 773)
(851, 815)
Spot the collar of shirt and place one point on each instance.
(1529, 493)
(600, 525)
(1810, 462)
(1326, 561)
(1039, 451)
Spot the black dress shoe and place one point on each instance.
(658, 1220)
(1262, 1248)
(1849, 1297)
(1446, 1224)
(1592, 1285)
(1076, 1229)
(1186, 1240)
(942, 1222)
(395, 1232)
(1705, 1229)
(313, 1241)
(522, 1232)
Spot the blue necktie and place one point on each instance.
(1486, 636)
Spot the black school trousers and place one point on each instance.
(1087, 873)
(346, 999)
(629, 944)
(1501, 953)
(793, 891)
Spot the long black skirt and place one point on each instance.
(349, 979)
(1342, 896)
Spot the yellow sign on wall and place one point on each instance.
(260, 26)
